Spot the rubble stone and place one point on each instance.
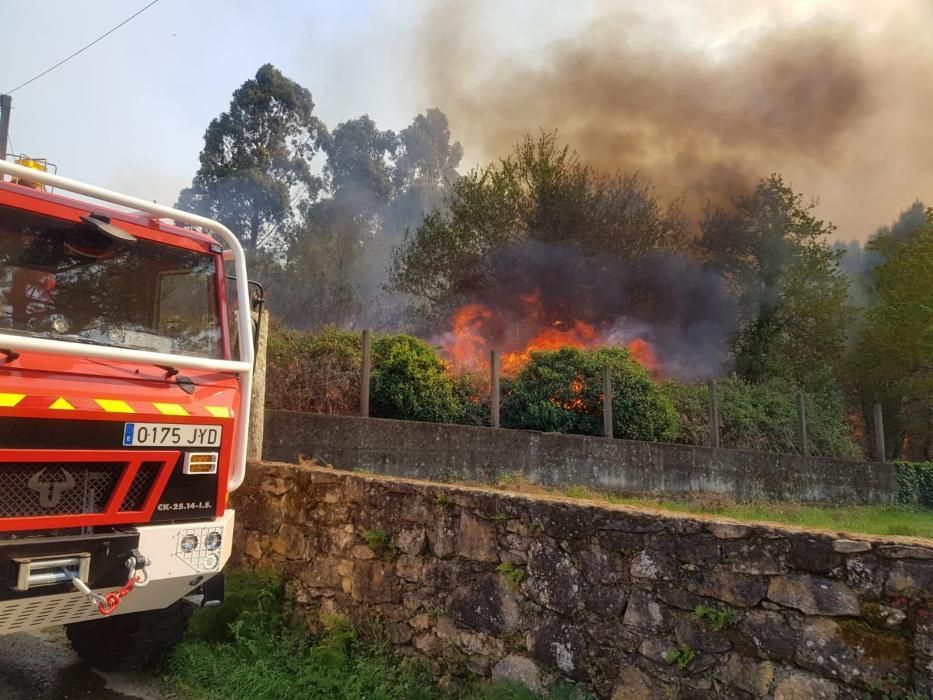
(519, 669)
(813, 595)
(597, 594)
(805, 687)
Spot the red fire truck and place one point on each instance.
(124, 401)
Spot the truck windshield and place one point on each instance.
(70, 281)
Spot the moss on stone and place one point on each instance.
(871, 613)
(879, 646)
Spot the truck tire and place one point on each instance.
(130, 642)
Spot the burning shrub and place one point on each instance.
(411, 382)
(561, 391)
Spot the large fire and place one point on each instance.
(477, 329)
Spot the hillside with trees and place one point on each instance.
(355, 226)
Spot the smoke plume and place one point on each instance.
(838, 104)
(679, 307)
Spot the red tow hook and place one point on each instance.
(112, 600)
(106, 605)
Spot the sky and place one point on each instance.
(130, 113)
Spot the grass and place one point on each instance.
(245, 649)
(512, 574)
(681, 657)
(718, 618)
(870, 520)
(376, 539)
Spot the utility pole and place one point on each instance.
(802, 424)
(880, 454)
(714, 435)
(607, 402)
(6, 106)
(494, 370)
(365, 373)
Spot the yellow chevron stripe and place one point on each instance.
(10, 400)
(171, 409)
(60, 404)
(114, 406)
(218, 411)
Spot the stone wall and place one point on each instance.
(487, 582)
(457, 452)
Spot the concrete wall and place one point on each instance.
(455, 452)
(486, 582)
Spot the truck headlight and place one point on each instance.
(211, 561)
(213, 540)
(189, 543)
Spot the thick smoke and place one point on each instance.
(676, 304)
(859, 261)
(840, 106)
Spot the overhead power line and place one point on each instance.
(83, 48)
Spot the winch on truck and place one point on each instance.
(124, 402)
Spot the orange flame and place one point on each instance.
(465, 346)
(581, 335)
(642, 352)
(477, 329)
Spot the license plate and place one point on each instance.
(171, 435)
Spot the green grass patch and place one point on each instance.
(512, 574)
(245, 649)
(870, 520)
(718, 618)
(376, 539)
(681, 657)
(912, 519)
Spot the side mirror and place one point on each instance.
(257, 302)
(257, 297)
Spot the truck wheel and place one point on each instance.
(130, 642)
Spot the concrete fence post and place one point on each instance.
(364, 373)
(881, 454)
(713, 415)
(802, 423)
(494, 370)
(257, 407)
(607, 402)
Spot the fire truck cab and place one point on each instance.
(124, 401)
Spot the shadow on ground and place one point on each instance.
(42, 666)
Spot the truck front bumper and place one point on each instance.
(182, 556)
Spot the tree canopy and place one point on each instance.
(894, 359)
(255, 165)
(793, 297)
(540, 192)
(383, 232)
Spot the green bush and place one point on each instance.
(762, 417)
(915, 484)
(243, 590)
(411, 382)
(562, 391)
(319, 372)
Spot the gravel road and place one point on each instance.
(42, 666)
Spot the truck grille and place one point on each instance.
(142, 484)
(57, 488)
(52, 490)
